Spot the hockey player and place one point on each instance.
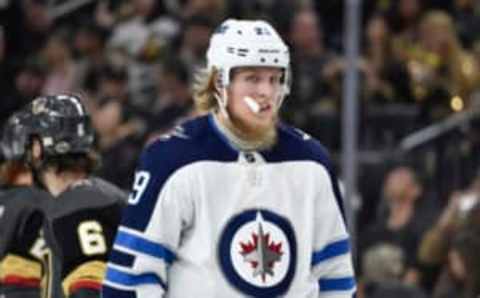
(234, 203)
(85, 213)
(21, 214)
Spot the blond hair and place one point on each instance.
(204, 90)
(460, 67)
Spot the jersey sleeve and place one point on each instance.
(158, 211)
(20, 266)
(80, 242)
(331, 258)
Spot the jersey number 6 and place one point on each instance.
(91, 238)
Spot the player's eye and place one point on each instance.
(275, 80)
(252, 78)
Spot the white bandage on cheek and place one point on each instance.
(252, 104)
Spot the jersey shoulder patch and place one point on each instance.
(187, 143)
(302, 146)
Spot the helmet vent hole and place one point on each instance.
(262, 60)
(275, 60)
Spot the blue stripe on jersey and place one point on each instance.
(336, 284)
(128, 279)
(332, 250)
(121, 258)
(109, 292)
(145, 246)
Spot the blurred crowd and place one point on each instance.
(134, 61)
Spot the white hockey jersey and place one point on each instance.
(207, 221)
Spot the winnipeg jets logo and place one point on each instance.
(261, 253)
(257, 253)
(177, 131)
(305, 136)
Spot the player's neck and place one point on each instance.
(57, 183)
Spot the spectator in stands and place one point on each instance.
(28, 83)
(383, 268)
(28, 25)
(466, 16)
(112, 84)
(174, 101)
(147, 30)
(460, 276)
(442, 71)
(309, 56)
(331, 14)
(475, 98)
(89, 47)
(435, 255)
(194, 41)
(62, 71)
(5, 65)
(215, 9)
(120, 129)
(279, 12)
(386, 78)
(144, 39)
(385, 87)
(398, 222)
(467, 244)
(404, 17)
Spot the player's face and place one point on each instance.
(263, 86)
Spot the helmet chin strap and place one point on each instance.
(281, 98)
(222, 101)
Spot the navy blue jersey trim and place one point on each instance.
(221, 136)
(128, 279)
(336, 284)
(121, 258)
(145, 246)
(110, 292)
(330, 251)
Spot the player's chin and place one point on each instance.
(263, 123)
(257, 124)
(265, 126)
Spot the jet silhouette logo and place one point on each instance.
(257, 253)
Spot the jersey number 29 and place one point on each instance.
(139, 185)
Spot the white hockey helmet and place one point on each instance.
(238, 43)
